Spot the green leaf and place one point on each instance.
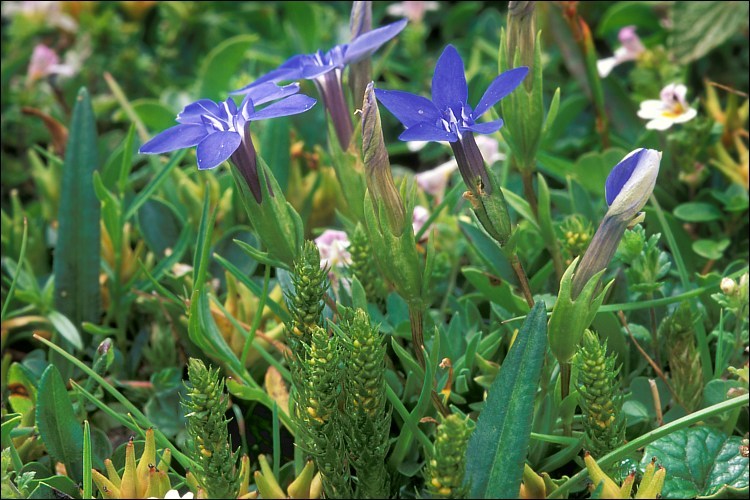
(76, 263)
(221, 64)
(711, 249)
(60, 431)
(275, 144)
(498, 446)
(700, 27)
(153, 114)
(697, 212)
(700, 461)
(65, 328)
(621, 14)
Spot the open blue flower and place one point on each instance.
(219, 130)
(450, 117)
(313, 66)
(326, 68)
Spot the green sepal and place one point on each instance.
(492, 211)
(276, 222)
(396, 255)
(571, 317)
(523, 109)
(350, 171)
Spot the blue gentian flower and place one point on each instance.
(627, 189)
(448, 116)
(325, 69)
(219, 130)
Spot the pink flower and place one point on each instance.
(671, 108)
(630, 50)
(333, 246)
(414, 11)
(45, 62)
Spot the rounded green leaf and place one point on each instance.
(700, 462)
(711, 249)
(697, 212)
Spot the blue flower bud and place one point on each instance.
(631, 183)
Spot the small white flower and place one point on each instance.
(333, 246)
(631, 182)
(671, 108)
(435, 181)
(49, 13)
(630, 50)
(176, 495)
(418, 220)
(414, 11)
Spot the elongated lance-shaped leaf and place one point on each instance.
(61, 433)
(498, 446)
(77, 255)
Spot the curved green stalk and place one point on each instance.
(652, 436)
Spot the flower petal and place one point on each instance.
(216, 148)
(174, 138)
(270, 91)
(192, 112)
(660, 123)
(449, 88)
(688, 115)
(427, 132)
(291, 69)
(605, 66)
(410, 109)
(366, 44)
(501, 86)
(635, 181)
(621, 174)
(486, 127)
(292, 105)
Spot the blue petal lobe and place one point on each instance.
(292, 105)
(371, 41)
(174, 138)
(289, 70)
(427, 132)
(270, 91)
(485, 127)
(501, 86)
(620, 175)
(216, 148)
(192, 112)
(449, 88)
(410, 109)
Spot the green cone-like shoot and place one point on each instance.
(205, 408)
(275, 221)
(597, 383)
(571, 316)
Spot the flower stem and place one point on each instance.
(332, 92)
(527, 176)
(523, 280)
(650, 437)
(417, 337)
